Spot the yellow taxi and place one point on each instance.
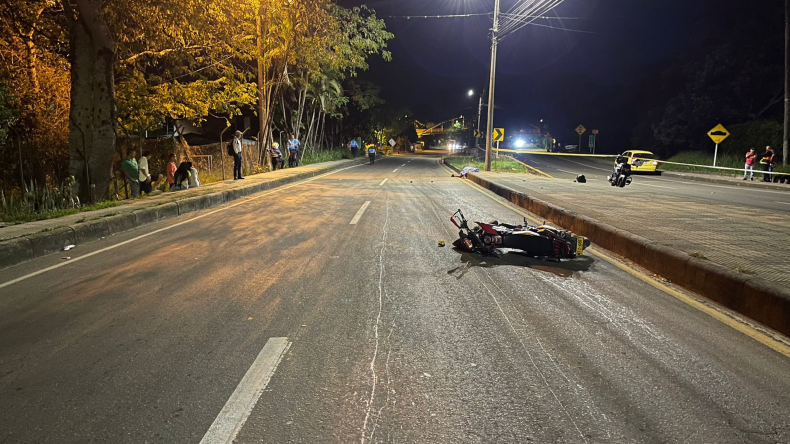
(640, 161)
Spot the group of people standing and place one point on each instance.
(766, 161)
(137, 173)
(278, 159)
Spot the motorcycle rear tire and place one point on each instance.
(621, 181)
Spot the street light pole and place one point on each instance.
(491, 82)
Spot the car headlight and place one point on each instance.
(655, 163)
(520, 143)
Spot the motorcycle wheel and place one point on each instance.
(621, 181)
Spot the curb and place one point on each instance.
(738, 183)
(22, 249)
(756, 299)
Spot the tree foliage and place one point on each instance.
(175, 61)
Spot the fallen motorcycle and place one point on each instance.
(542, 242)
(621, 176)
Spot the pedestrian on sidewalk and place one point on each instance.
(372, 153)
(171, 170)
(293, 151)
(237, 158)
(131, 172)
(144, 174)
(768, 163)
(751, 156)
(354, 147)
(277, 157)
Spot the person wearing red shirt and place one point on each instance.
(750, 158)
(171, 170)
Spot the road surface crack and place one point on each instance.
(374, 377)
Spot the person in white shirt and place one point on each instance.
(237, 158)
(145, 173)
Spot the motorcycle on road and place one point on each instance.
(540, 242)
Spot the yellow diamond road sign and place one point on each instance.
(718, 134)
(581, 129)
(499, 135)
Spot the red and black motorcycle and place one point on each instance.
(543, 241)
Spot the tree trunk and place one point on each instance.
(92, 115)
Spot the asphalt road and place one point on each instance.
(388, 338)
(568, 167)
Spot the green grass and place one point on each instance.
(498, 165)
(702, 158)
(325, 156)
(32, 217)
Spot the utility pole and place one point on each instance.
(786, 138)
(491, 82)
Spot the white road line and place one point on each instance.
(359, 213)
(656, 186)
(232, 417)
(784, 203)
(382, 182)
(404, 164)
(170, 227)
(395, 170)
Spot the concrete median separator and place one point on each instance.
(764, 302)
(52, 241)
(75, 230)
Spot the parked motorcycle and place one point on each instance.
(543, 241)
(621, 176)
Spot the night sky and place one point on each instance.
(540, 71)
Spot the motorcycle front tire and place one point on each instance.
(621, 181)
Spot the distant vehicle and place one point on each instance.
(640, 161)
(571, 148)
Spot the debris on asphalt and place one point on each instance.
(427, 375)
(249, 318)
(441, 243)
(304, 325)
(581, 179)
(65, 258)
(68, 247)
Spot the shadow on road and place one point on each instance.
(565, 268)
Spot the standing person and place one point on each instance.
(293, 151)
(750, 158)
(131, 172)
(144, 174)
(768, 163)
(171, 170)
(237, 158)
(277, 157)
(372, 153)
(354, 146)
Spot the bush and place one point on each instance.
(499, 165)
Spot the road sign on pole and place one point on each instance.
(478, 134)
(592, 142)
(717, 135)
(498, 135)
(580, 130)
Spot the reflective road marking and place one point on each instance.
(359, 213)
(232, 417)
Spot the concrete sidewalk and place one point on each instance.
(22, 242)
(738, 238)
